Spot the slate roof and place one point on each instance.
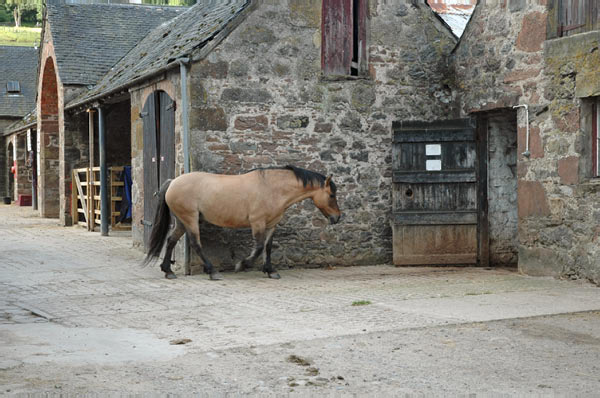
(180, 37)
(29, 121)
(18, 64)
(91, 38)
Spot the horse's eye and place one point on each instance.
(332, 196)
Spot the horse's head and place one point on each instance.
(325, 199)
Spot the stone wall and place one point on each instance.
(74, 155)
(260, 100)
(24, 173)
(4, 169)
(503, 60)
(502, 188)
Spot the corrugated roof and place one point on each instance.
(177, 38)
(456, 13)
(18, 64)
(91, 38)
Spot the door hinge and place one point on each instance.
(143, 114)
(146, 223)
(171, 106)
(562, 28)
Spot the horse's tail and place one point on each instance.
(160, 226)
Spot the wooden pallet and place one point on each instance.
(86, 200)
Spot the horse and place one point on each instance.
(257, 199)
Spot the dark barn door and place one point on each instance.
(435, 193)
(159, 152)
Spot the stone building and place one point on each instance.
(330, 85)
(286, 82)
(17, 99)
(80, 43)
(547, 190)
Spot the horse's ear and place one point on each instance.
(328, 181)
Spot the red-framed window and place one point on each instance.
(344, 37)
(595, 138)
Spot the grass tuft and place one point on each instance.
(360, 302)
(23, 36)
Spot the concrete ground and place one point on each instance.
(79, 315)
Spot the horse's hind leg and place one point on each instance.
(258, 232)
(193, 230)
(172, 240)
(268, 267)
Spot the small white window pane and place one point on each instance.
(433, 164)
(433, 150)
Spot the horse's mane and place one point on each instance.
(306, 176)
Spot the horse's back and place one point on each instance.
(222, 199)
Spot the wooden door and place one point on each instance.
(435, 193)
(166, 138)
(158, 116)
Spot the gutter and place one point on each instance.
(24, 127)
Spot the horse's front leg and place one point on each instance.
(268, 267)
(259, 234)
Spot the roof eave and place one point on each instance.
(200, 54)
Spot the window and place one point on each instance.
(573, 16)
(13, 87)
(595, 138)
(343, 34)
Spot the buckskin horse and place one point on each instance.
(257, 199)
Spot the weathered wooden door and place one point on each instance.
(159, 152)
(435, 192)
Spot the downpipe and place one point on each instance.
(527, 154)
(186, 148)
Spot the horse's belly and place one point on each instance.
(226, 219)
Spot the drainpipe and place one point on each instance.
(186, 147)
(526, 153)
(103, 174)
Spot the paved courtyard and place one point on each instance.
(78, 314)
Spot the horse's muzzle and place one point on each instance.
(334, 219)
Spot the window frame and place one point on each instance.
(562, 23)
(344, 37)
(13, 87)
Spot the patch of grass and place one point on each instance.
(361, 302)
(23, 36)
(477, 293)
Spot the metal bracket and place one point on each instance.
(562, 28)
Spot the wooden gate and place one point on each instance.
(159, 151)
(436, 195)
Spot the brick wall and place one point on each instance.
(49, 120)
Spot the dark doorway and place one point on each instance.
(159, 151)
(501, 129)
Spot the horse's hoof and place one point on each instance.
(170, 275)
(274, 275)
(215, 276)
(239, 267)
